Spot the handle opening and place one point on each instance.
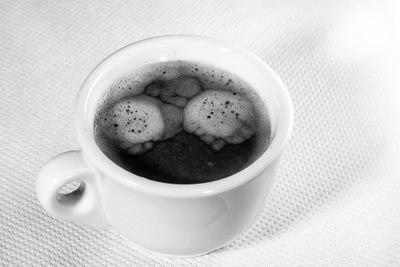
(70, 193)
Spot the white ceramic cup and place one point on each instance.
(184, 220)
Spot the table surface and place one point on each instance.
(336, 198)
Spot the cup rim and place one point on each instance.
(100, 161)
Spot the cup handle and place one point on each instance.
(84, 204)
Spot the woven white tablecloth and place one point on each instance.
(336, 199)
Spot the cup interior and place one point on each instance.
(258, 75)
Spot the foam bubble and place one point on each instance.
(176, 91)
(134, 120)
(173, 118)
(139, 148)
(220, 117)
(177, 101)
(186, 87)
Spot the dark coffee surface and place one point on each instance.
(181, 154)
(185, 159)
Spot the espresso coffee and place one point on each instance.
(182, 122)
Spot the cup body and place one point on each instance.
(184, 225)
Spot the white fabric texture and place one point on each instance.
(336, 199)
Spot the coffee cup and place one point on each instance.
(173, 219)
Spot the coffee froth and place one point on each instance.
(182, 122)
